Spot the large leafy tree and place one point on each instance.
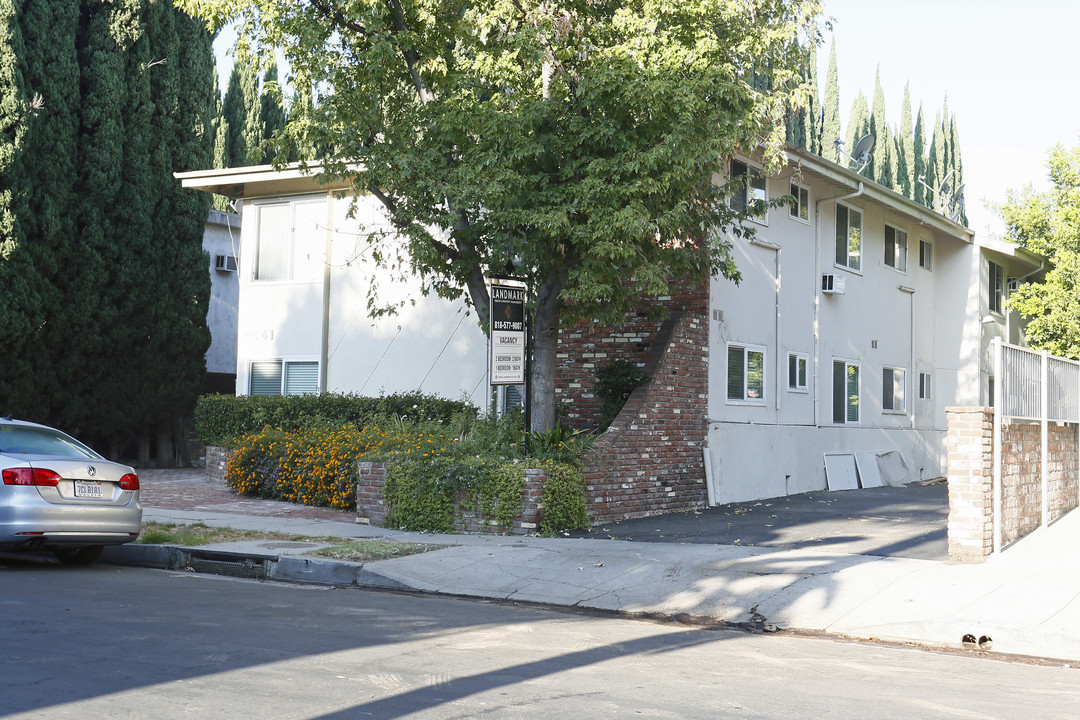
(574, 143)
(1049, 223)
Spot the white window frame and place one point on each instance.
(851, 260)
(752, 198)
(893, 388)
(896, 248)
(744, 397)
(297, 265)
(995, 287)
(851, 412)
(926, 255)
(800, 210)
(798, 372)
(926, 383)
(284, 365)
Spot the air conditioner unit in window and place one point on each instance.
(832, 284)
(225, 263)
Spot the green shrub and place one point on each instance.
(614, 383)
(221, 419)
(563, 498)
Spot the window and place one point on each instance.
(892, 390)
(926, 255)
(289, 243)
(750, 197)
(924, 386)
(276, 377)
(845, 392)
(896, 248)
(848, 237)
(801, 209)
(797, 363)
(746, 374)
(996, 286)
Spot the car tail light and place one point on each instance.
(30, 476)
(130, 482)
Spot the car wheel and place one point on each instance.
(79, 556)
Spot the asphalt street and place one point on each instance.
(105, 643)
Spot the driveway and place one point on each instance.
(909, 522)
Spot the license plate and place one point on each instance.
(87, 489)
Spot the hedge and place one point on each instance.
(224, 419)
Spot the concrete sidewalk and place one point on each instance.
(1025, 601)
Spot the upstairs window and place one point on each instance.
(848, 237)
(801, 209)
(896, 248)
(924, 386)
(996, 286)
(926, 255)
(751, 194)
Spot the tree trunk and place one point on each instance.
(165, 446)
(144, 449)
(545, 339)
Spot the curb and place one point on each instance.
(285, 568)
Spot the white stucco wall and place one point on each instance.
(222, 237)
(322, 313)
(916, 320)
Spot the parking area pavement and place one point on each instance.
(908, 522)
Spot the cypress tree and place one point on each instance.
(830, 121)
(905, 156)
(233, 118)
(918, 146)
(22, 306)
(935, 165)
(272, 112)
(958, 164)
(880, 169)
(858, 124)
(813, 119)
(253, 124)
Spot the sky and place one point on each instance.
(1006, 67)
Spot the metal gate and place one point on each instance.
(1030, 386)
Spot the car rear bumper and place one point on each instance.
(47, 526)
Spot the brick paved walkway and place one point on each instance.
(188, 489)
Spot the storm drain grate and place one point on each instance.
(247, 568)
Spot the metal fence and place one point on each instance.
(1031, 386)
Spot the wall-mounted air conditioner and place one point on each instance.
(832, 284)
(225, 263)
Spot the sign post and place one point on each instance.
(507, 338)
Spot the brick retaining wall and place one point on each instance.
(217, 458)
(971, 477)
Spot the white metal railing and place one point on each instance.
(1030, 385)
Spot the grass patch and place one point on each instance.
(154, 533)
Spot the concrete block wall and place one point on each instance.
(971, 476)
(650, 459)
(371, 508)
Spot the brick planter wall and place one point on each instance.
(971, 478)
(371, 508)
(217, 458)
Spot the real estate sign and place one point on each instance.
(507, 337)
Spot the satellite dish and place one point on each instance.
(956, 204)
(862, 154)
